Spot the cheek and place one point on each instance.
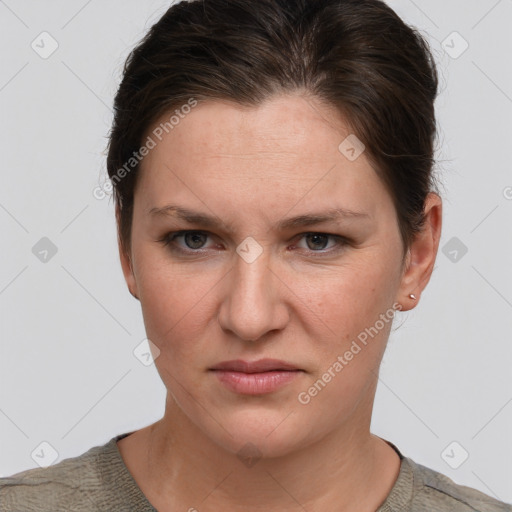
(177, 310)
(174, 302)
(352, 295)
(343, 313)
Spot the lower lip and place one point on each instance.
(255, 383)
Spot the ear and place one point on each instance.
(126, 259)
(421, 256)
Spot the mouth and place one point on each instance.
(256, 377)
(260, 366)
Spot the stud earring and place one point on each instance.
(412, 296)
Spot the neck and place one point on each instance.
(178, 467)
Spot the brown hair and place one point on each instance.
(356, 55)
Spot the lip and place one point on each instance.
(259, 366)
(256, 377)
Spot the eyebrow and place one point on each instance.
(210, 221)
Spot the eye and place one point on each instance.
(317, 242)
(194, 240)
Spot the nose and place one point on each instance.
(253, 302)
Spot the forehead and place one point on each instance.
(282, 127)
(286, 148)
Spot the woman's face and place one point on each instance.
(251, 284)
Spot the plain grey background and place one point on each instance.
(69, 327)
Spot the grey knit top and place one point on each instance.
(98, 480)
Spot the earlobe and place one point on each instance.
(422, 254)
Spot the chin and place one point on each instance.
(256, 435)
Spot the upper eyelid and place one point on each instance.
(209, 233)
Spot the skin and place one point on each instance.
(252, 168)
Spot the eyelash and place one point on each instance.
(169, 238)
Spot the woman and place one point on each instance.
(272, 168)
